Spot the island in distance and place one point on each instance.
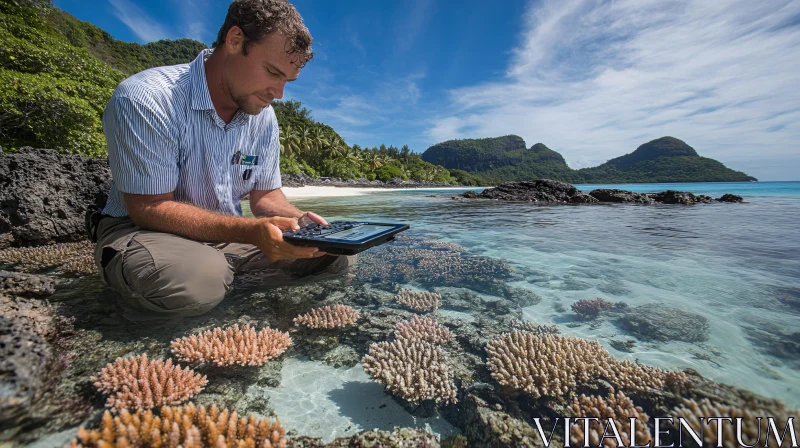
(492, 161)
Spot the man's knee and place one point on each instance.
(188, 286)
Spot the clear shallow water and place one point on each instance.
(727, 262)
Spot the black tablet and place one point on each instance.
(344, 237)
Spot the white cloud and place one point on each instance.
(138, 21)
(594, 80)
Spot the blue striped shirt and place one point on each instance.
(164, 136)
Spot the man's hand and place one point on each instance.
(308, 217)
(269, 239)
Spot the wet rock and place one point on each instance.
(614, 195)
(26, 285)
(396, 438)
(679, 197)
(486, 425)
(30, 364)
(522, 297)
(730, 198)
(44, 194)
(658, 322)
(540, 190)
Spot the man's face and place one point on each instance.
(256, 79)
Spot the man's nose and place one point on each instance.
(277, 90)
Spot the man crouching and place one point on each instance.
(185, 144)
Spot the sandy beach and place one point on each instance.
(330, 191)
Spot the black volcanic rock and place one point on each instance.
(730, 198)
(540, 190)
(44, 194)
(680, 197)
(614, 195)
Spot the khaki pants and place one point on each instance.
(164, 275)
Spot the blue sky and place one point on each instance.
(590, 79)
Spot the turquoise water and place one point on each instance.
(738, 265)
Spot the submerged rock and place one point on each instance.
(657, 322)
(730, 198)
(44, 194)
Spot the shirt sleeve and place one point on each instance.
(141, 151)
(270, 178)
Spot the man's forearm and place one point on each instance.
(272, 203)
(193, 222)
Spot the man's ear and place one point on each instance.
(234, 40)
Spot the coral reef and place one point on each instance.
(189, 426)
(533, 327)
(396, 438)
(616, 407)
(693, 410)
(415, 370)
(423, 328)
(329, 317)
(73, 258)
(590, 308)
(232, 346)
(544, 365)
(548, 365)
(658, 322)
(431, 263)
(140, 383)
(419, 301)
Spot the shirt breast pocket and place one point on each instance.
(244, 178)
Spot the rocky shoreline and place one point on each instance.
(554, 192)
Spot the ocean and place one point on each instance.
(724, 279)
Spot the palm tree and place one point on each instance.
(289, 140)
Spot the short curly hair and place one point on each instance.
(259, 18)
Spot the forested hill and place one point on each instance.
(501, 159)
(58, 74)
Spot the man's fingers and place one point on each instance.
(316, 218)
(285, 223)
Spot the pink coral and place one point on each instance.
(242, 346)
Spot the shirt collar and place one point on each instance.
(201, 98)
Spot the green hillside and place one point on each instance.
(58, 73)
(666, 159)
(502, 159)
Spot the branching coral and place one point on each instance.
(693, 411)
(533, 327)
(186, 426)
(553, 366)
(590, 308)
(544, 365)
(242, 346)
(419, 301)
(423, 328)
(329, 317)
(413, 369)
(630, 376)
(140, 383)
(75, 258)
(617, 408)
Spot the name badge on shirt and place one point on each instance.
(243, 159)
